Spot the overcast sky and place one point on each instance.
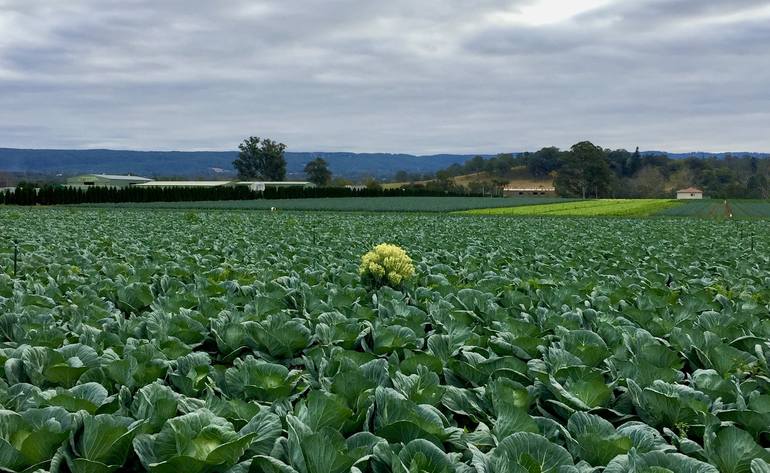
(415, 76)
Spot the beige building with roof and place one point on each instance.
(689, 193)
(529, 191)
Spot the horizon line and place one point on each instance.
(482, 154)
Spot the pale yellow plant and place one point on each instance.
(386, 264)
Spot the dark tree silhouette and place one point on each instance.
(317, 172)
(261, 159)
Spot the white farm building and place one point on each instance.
(177, 184)
(113, 180)
(260, 186)
(257, 186)
(689, 193)
(106, 180)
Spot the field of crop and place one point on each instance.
(353, 204)
(716, 208)
(586, 208)
(245, 342)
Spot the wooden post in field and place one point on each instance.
(15, 256)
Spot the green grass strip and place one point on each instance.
(586, 208)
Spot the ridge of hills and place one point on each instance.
(218, 164)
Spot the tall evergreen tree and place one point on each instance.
(634, 163)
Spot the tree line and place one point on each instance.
(589, 171)
(585, 171)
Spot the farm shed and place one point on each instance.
(529, 192)
(689, 193)
(170, 184)
(260, 186)
(105, 180)
(289, 184)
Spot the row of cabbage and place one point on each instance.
(353, 204)
(242, 342)
(722, 209)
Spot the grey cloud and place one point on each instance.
(665, 12)
(401, 76)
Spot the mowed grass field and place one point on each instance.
(586, 208)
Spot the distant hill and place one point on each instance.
(210, 164)
(218, 164)
(706, 155)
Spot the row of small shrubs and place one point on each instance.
(56, 195)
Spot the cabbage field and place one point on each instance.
(246, 342)
(350, 204)
(721, 209)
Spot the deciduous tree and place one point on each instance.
(585, 172)
(757, 187)
(317, 172)
(543, 162)
(261, 159)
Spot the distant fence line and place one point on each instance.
(63, 195)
